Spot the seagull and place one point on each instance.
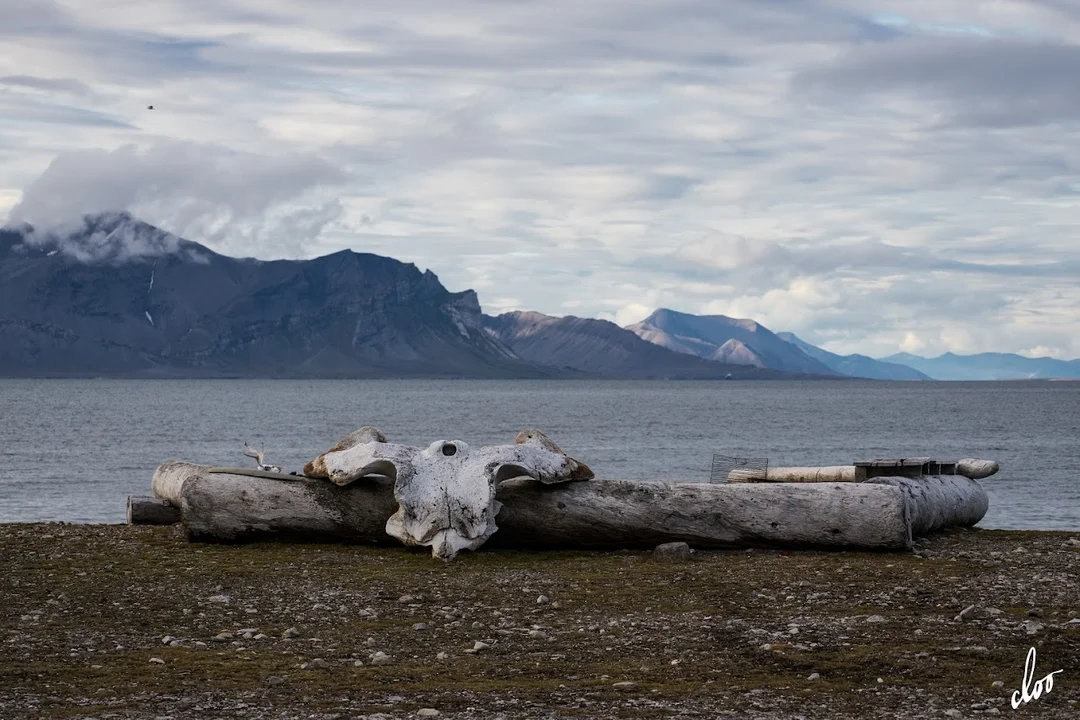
(258, 455)
(149, 107)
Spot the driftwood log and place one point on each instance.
(972, 468)
(151, 511)
(880, 515)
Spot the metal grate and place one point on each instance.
(726, 469)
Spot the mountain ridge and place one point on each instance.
(604, 348)
(856, 365)
(120, 297)
(711, 336)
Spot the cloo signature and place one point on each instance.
(1029, 691)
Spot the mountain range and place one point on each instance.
(990, 366)
(114, 296)
(120, 297)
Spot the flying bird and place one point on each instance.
(258, 456)
(149, 107)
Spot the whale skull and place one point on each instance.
(446, 491)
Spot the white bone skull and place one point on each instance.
(446, 491)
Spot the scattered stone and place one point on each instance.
(290, 633)
(358, 663)
(624, 685)
(407, 598)
(380, 658)
(876, 619)
(953, 713)
(478, 646)
(223, 636)
(427, 712)
(998, 684)
(157, 661)
(966, 614)
(167, 639)
(274, 680)
(813, 676)
(672, 551)
(315, 664)
(219, 599)
(1033, 626)
(419, 626)
(543, 600)
(538, 634)
(441, 656)
(1035, 612)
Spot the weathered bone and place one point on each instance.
(445, 492)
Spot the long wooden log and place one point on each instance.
(973, 468)
(594, 514)
(834, 473)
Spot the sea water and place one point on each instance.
(73, 450)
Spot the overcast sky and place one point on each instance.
(874, 175)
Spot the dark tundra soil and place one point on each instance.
(111, 621)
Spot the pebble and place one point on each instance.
(966, 614)
(380, 658)
(427, 712)
(219, 599)
(624, 685)
(260, 636)
(407, 599)
(316, 664)
(1033, 626)
(442, 656)
(274, 680)
(290, 633)
(538, 634)
(1035, 612)
(875, 619)
(672, 551)
(223, 636)
(543, 600)
(998, 683)
(813, 676)
(953, 713)
(157, 661)
(419, 626)
(478, 646)
(167, 639)
(358, 663)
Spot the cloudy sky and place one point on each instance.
(875, 175)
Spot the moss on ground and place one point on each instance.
(85, 608)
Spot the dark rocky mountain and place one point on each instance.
(859, 366)
(604, 348)
(116, 296)
(990, 366)
(725, 339)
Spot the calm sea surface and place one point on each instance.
(73, 450)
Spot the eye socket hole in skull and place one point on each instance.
(449, 449)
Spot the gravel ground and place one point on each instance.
(111, 621)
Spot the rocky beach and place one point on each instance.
(114, 621)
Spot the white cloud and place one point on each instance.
(774, 160)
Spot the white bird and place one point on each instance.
(258, 455)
